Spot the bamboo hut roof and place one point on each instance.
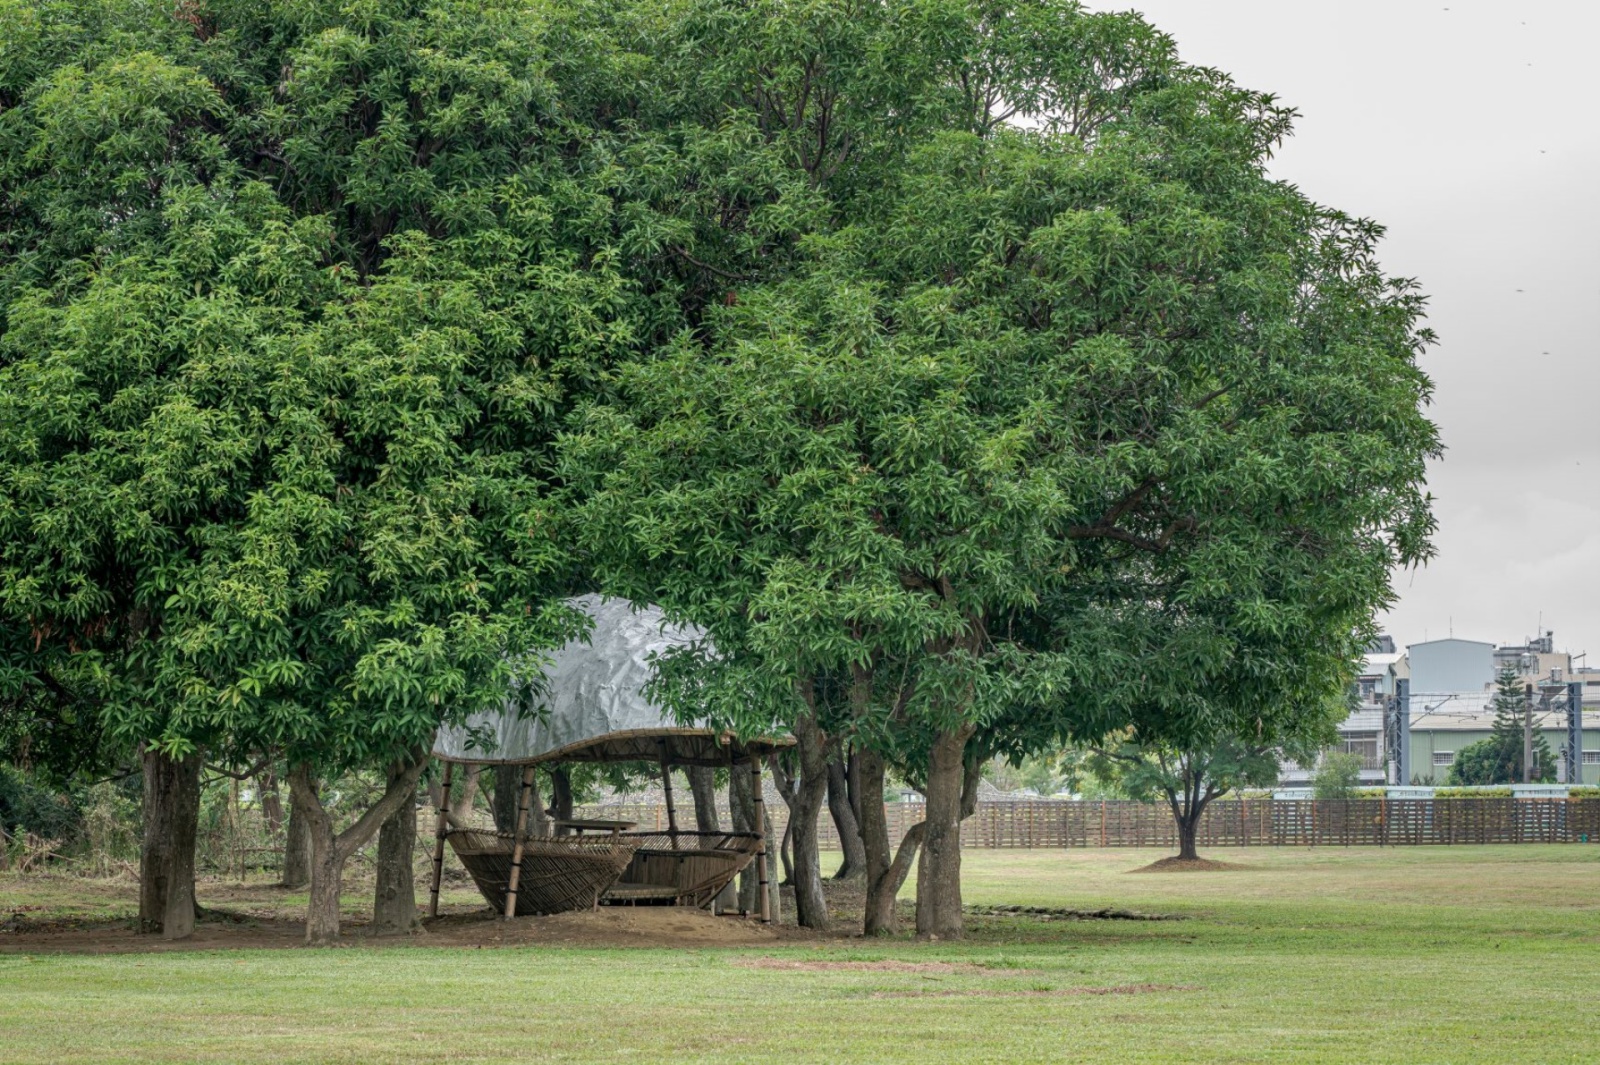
(592, 705)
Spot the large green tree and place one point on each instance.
(290, 297)
(1057, 366)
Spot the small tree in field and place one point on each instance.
(1187, 780)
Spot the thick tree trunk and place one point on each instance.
(271, 800)
(394, 904)
(560, 797)
(507, 788)
(166, 858)
(939, 870)
(886, 869)
(811, 907)
(1186, 813)
(461, 804)
(742, 809)
(703, 787)
(330, 851)
(507, 782)
(296, 846)
(845, 821)
(1186, 840)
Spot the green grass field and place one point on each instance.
(1417, 955)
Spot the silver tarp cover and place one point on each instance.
(593, 687)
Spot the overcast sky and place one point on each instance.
(1471, 130)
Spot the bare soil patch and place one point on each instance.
(611, 926)
(885, 965)
(1056, 913)
(1188, 865)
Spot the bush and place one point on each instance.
(26, 805)
(1579, 792)
(1337, 776)
(1473, 793)
(110, 830)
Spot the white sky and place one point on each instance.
(1471, 130)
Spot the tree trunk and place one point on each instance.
(845, 822)
(1186, 812)
(853, 782)
(330, 851)
(271, 800)
(166, 856)
(774, 889)
(811, 907)
(296, 846)
(703, 789)
(461, 805)
(394, 904)
(703, 786)
(507, 782)
(1186, 841)
(939, 870)
(742, 809)
(886, 870)
(560, 797)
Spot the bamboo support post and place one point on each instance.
(438, 839)
(764, 901)
(520, 837)
(666, 791)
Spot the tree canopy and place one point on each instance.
(958, 365)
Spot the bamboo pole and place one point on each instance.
(438, 839)
(765, 901)
(666, 791)
(519, 835)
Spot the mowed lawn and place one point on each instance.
(1413, 955)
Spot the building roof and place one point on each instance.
(1472, 712)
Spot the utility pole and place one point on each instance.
(1574, 751)
(1527, 734)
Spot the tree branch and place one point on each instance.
(686, 257)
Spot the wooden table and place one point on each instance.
(581, 826)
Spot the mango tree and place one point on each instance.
(291, 295)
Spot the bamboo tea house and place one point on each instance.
(591, 707)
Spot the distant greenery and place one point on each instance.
(1498, 759)
(1337, 775)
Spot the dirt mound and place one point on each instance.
(1188, 865)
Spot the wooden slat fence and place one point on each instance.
(1227, 823)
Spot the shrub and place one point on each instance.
(1337, 776)
(1473, 793)
(27, 805)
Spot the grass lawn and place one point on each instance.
(1414, 955)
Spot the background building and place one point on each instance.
(1451, 688)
